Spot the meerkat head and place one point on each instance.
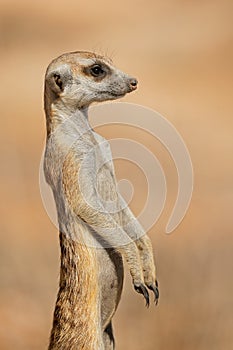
(80, 78)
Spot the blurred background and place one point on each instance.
(182, 54)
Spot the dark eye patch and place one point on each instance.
(97, 70)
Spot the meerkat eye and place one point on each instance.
(97, 71)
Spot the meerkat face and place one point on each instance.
(80, 78)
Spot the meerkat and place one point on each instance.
(97, 230)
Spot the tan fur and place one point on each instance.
(77, 308)
(93, 240)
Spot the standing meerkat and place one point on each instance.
(97, 229)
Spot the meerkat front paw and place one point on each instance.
(148, 265)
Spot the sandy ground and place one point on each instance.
(182, 54)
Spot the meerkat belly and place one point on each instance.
(106, 184)
(111, 271)
(111, 274)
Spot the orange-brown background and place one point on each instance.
(181, 52)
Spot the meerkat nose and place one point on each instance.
(133, 83)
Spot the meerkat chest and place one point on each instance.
(106, 182)
(102, 150)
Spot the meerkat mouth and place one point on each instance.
(116, 94)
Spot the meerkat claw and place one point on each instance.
(155, 290)
(141, 289)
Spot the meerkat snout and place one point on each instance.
(133, 84)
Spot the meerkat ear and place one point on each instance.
(58, 81)
(59, 78)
